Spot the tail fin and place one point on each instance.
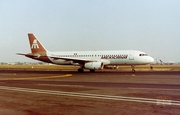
(35, 45)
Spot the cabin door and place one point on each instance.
(131, 55)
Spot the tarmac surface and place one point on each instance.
(30, 92)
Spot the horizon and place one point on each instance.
(149, 26)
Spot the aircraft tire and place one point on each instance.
(92, 70)
(80, 70)
(133, 70)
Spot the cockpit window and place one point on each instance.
(143, 55)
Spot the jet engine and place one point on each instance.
(93, 65)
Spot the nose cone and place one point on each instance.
(150, 60)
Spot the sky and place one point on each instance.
(151, 26)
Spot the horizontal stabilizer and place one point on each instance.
(29, 55)
(20, 54)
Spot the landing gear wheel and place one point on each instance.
(92, 70)
(133, 70)
(80, 70)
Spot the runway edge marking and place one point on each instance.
(95, 96)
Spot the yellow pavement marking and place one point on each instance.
(133, 75)
(33, 78)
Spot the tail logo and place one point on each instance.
(35, 45)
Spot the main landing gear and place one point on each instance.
(80, 70)
(133, 70)
(92, 70)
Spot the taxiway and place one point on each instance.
(111, 92)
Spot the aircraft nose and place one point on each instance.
(151, 60)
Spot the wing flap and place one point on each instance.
(73, 59)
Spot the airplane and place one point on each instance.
(92, 60)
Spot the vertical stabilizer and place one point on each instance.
(35, 45)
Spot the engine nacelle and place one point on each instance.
(93, 65)
(111, 67)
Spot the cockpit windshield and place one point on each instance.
(143, 55)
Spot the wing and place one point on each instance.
(76, 60)
(82, 61)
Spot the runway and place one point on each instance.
(109, 92)
(96, 96)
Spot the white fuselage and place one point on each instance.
(116, 57)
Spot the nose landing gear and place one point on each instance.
(133, 70)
